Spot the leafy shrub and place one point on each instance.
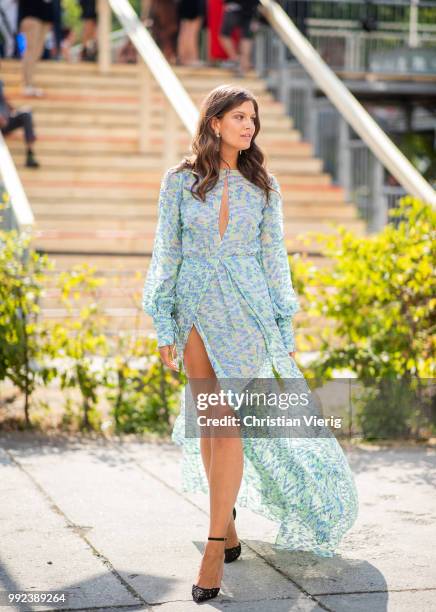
(379, 296)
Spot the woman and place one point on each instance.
(220, 231)
(35, 18)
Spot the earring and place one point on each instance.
(217, 134)
(240, 152)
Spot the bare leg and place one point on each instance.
(182, 42)
(89, 32)
(229, 48)
(246, 44)
(187, 41)
(223, 460)
(194, 30)
(35, 31)
(206, 451)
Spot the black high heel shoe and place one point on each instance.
(201, 594)
(231, 554)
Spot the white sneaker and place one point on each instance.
(30, 90)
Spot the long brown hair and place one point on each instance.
(205, 160)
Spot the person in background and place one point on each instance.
(238, 14)
(127, 54)
(191, 15)
(164, 27)
(35, 18)
(89, 32)
(55, 50)
(11, 119)
(8, 26)
(68, 38)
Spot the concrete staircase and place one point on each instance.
(95, 196)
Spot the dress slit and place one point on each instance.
(206, 344)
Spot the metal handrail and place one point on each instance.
(347, 105)
(22, 212)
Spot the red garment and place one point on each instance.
(215, 9)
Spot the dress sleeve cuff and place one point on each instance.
(165, 329)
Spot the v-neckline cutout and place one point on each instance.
(226, 173)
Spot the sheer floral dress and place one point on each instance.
(237, 291)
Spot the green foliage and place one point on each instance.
(21, 333)
(380, 298)
(144, 395)
(79, 340)
(72, 15)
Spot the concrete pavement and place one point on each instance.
(106, 521)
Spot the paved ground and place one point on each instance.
(107, 522)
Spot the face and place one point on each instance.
(237, 126)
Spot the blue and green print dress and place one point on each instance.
(237, 291)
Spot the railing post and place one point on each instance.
(103, 35)
(170, 144)
(413, 24)
(379, 205)
(344, 158)
(145, 105)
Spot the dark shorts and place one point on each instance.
(38, 9)
(236, 19)
(88, 9)
(191, 9)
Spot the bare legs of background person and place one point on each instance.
(23, 119)
(89, 40)
(223, 462)
(35, 32)
(229, 48)
(188, 41)
(245, 59)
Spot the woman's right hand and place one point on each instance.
(168, 354)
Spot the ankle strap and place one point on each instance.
(217, 538)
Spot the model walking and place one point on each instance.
(220, 293)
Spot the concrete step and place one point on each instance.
(46, 117)
(130, 219)
(127, 267)
(94, 101)
(113, 144)
(77, 239)
(54, 215)
(79, 82)
(130, 134)
(147, 194)
(48, 175)
(12, 66)
(133, 161)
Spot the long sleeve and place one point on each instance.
(159, 287)
(274, 259)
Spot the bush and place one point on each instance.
(22, 335)
(80, 340)
(143, 393)
(380, 297)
